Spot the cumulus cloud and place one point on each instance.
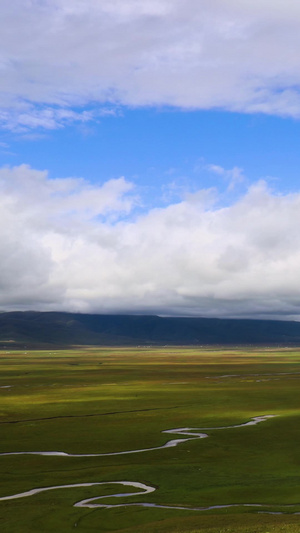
(71, 245)
(63, 54)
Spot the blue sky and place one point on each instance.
(149, 157)
(156, 146)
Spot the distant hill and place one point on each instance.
(37, 329)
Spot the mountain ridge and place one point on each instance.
(35, 328)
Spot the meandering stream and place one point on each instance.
(191, 433)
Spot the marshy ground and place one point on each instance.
(108, 400)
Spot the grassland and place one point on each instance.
(92, 400)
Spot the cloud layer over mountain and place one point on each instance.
(69, 245)
(65, 55)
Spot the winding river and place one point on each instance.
(192, 433)
(143, 489)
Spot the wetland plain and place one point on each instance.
(147, 439)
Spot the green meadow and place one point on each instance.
(104, 400)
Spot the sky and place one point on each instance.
(149, 157)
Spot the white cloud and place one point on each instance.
(28, 117)
(230, 54)
(65, 244)
(234, 176)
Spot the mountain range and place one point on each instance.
(48, 329)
